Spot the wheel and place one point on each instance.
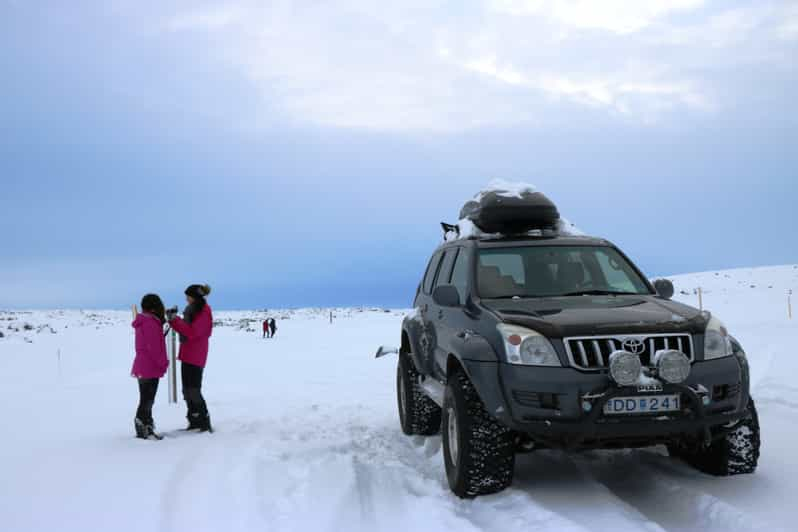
(736, 453)
(418, 414)
(478, 452)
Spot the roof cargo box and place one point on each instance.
(499, 212)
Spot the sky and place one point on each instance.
(303, 153)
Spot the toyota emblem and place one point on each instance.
(634, 345)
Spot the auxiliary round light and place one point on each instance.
(672, 366)
(625, 367)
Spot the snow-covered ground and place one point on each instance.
(308, 437)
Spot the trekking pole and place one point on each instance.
(700, 299)
(789, 304)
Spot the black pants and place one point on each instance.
(147, 390)
(191, 376)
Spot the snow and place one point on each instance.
(507, 189)
(308, 437)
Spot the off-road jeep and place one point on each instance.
(549, 341)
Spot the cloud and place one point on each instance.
(209, 18)
(618, 16)
(423, 65)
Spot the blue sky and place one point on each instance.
(303, 153)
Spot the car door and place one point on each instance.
(440, 316)
(424, 332)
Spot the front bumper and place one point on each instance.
(548, 404)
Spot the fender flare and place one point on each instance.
(410, 344)
(477, 358)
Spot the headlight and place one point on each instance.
(625, 367)
(527, 347)
(717, 343)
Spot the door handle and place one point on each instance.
(440, 314)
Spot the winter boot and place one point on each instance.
(194, 421)
(145, 430)
(141, 429)
(205, 423)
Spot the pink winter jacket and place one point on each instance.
(150, 361)
(194, 350)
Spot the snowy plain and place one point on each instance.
(308, 437)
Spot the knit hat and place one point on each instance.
(198, 291)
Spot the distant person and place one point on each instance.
(150, 362)
(272, 326)
(195, 331)
(266, 328)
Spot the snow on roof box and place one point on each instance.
(511, 212)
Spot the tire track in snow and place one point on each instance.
(171, 494)
(639, 479)
(555, 480)
(204, 489)
(371, 477)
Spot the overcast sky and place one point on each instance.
(297, 153)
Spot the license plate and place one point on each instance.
(643, 404)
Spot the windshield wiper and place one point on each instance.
(600, 293)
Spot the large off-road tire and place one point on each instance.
(418, 414)
(736, 453)
(478, 452)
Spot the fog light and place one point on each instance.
(625, 367)
(672, 366)
(705, 400)
(587, 406)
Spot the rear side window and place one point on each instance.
(432, 269)
(460, 274)
(445, 271)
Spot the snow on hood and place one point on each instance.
(509, 189)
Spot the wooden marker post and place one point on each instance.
(171, 349)
(789, 304)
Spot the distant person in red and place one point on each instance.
(266, 328)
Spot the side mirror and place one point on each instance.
(446, 295)
(664, 288)
(384, 350)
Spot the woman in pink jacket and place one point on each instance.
(150, 363)
(195, 330)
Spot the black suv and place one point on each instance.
(524, 342)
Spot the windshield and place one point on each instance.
(555, 271)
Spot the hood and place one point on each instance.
(597, 315)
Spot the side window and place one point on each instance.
(432, 269)
(460, 274)
(445, 271)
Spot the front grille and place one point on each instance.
(593, 352)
